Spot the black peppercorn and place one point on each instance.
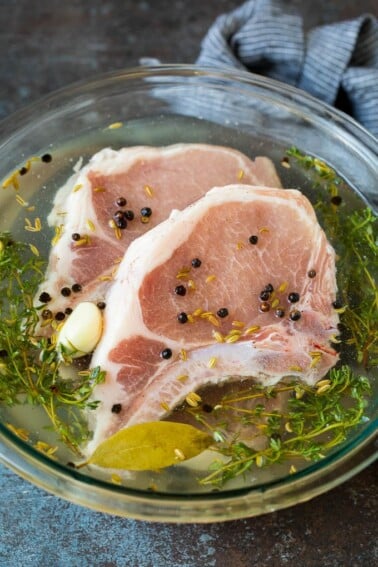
(116, 408)
(253, 239)
(196, 262)
(222, 312)
(120, 219)
(76, 288)
(46, 158)
(336, 200)
(293, 297)
(337, 304)
(311, 273)
(129, 215)
(23, 171)
(146, 211)
(60, 316)
(182, 317)
(269, 288)
(166, 353)
(45, 297)
(180, 290)
(75, 236)
(65, 291)
(295, 315)
(279, 313)
(264, 295)
(101, 305)
(121, 222)
(121, 202)
(68, 310)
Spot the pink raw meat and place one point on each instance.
(141, 318)
(160, 178)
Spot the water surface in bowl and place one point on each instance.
(38, 188)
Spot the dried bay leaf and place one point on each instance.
(150, 446)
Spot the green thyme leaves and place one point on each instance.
(354, 235)
(29, 365)
(312, 422)
(325, 175)
(357, 273)
(150, 446)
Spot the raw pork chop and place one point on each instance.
(159, 178)
(258, 303)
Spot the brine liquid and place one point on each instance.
(39, 187)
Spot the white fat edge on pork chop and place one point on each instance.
(73, 211)
(245, 358)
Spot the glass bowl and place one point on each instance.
(158, 106)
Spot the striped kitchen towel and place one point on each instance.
(337, 63)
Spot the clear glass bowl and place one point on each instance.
(158, 106)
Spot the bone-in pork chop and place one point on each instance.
(98, 212)
(239, 284)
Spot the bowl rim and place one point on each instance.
(36, 461)
(168, 69)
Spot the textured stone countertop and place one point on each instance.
(43, 46)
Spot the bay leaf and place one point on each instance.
(150, 446)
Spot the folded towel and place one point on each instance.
(337, 63)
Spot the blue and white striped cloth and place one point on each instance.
(337, 63)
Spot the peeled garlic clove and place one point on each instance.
(82, 330)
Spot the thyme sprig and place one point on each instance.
(314, 421)
(324, 176)
(29, 365)
(354, 237)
